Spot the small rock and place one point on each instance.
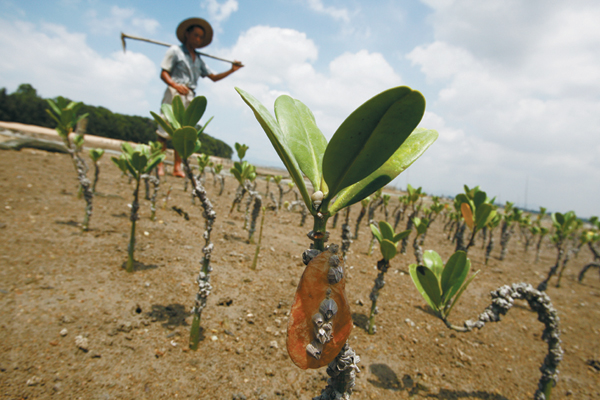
(64, 332)
(65, 319)
(82, 343)
(34, 381)
(360, 302)
(214, 338)
(269, 372)
(274, 344)
(409, 322)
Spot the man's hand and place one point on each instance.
(166, 78)
(181, 89)
(236, 65)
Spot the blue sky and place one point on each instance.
(512, 86)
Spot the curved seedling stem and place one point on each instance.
(502, 301)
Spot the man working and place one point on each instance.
(181, 68)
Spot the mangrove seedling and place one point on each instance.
(491, 227)
(346, 235)
(590, 237)
(245, 174)
(371, 147)
(412, 197)
(154, 178)
(388, 244)
(181, 126)
(217, 168)
(441, 287)
(96, 155)
(137, 161)
(364, 205)
(421, 225)
(241, 150)
(67, 121)
(564, 225)
(477, 210)
(511, 216)
(282, 192)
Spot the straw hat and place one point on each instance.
(184, 25)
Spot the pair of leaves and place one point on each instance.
(421, 225)
(181, 124)
(387, 238)
(242, 171)
(96, 154)
(441, 286)
(137, 161)
(368, 138)
(65, 115)
(241, 149)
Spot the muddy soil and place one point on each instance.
(75, 325)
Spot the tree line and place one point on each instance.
(24, 105)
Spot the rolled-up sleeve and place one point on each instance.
(170, 59)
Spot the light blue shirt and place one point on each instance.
(178, 63)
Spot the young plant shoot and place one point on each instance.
(181, 127)
(371, 147)
(564, 226)
(67, 121)
(96, 155)
(388, 244)
(477, 210)
(441, 287)
(137, 161)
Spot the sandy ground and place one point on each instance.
(59, 286)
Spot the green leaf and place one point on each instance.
(303, 137)
(412, 269)
(96, 154)
(178, 110)
(154, 162)
(204, 126)
(408, 153)
(139, 161)
(271, 128)
(194, 111)
(120, 162)
(430, 285)
(460, 292)
(165, 125)
(479, 198)
(388, 249)
(370, 136)
(54, 107)
(433, 261)
(483, 215)
(184, 141)
(454, 274)
(167, 110)
(399, 236)
(127, 148)
(387, 232)
(376, 232)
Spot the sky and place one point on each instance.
(512, 86)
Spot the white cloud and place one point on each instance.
(59, 62)
(341, 14)
(522, 80)
(219, 12)
(281, 61)
(121, 19)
